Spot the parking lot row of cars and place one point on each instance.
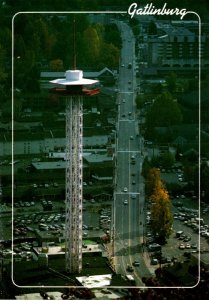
(105, 219)
(22, 251)
(18, 204)
(191, 219)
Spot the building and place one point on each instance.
(176, 48)
(26, 142)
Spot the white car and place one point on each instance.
(125, 189)
(125, 202)
(181, 246)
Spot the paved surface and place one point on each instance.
(128, 198)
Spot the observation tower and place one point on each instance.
(73, 89)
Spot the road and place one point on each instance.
(128, 197)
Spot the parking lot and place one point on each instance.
(185, 232)
(30, 220)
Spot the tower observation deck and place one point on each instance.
(73, 88)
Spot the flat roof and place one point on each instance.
(51, 165)
(52, 250)
(95, 281)
(37, 296)
(96, 158)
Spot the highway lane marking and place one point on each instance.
(128, 151)
(129, 193)
(126, 92)
(126, 120)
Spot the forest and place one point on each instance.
(46, 42)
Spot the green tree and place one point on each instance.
(110, 56)
(112, 35)
(167, 160)
(3, 74)
(140, 100)
(145, 167)
(171, 82)
(152, 28)
(56, 65)
(165, 111)
(204, 175)
(92, 45)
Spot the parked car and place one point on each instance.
(136, 263)
(154, 261)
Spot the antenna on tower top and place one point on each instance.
(74, 46)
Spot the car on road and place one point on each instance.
(133, 196)
(125, 202)
(124, 100)
(133, 182)
(125, 189)
(131, 137)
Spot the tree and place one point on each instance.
(167, 160)
(56, 65)
(204, 175)
(112, 35)
(3, 74)
(140, 100)
(152, 28)
(161, 218)
(152, 181)
(92, 45)
(165, 111)
(110, 56)
(145, 167)
(171, 82)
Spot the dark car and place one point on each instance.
(129, 269)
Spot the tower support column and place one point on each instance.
(74, 186)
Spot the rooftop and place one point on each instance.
(49, 165)
(95, 281)
(97, 158)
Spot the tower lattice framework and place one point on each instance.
(73, 220)
(71, 88)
